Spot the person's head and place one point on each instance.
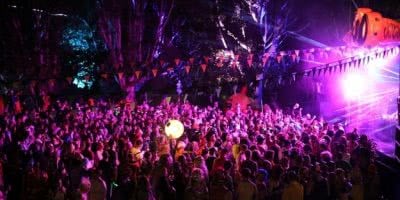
(363, 140)
(326, 156)
(331, 166)
(228, 166)
(330, 133)
(243, 147)
(323, 146)
(306, 160)
(269, 155)
(340, 174)
(307, 149)
(199, 162)
(262, 175)
(248, 154)
(327, 139)
(352, 137)
(223, 153)
(245, 173)
(260, 139)
(292, 176)
(197, 176)
(339, 133)
(212, 151)
(256, 155)
(339, 156)
(165, 160)
(304, 173)
(285, 162)
(148, 155)
(180, 147)
(50, 147)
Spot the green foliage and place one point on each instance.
(82, 50)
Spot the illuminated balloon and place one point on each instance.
(174, 129)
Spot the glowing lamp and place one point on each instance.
(174, 129)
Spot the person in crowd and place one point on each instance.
(261, 182)
(186, 76)
(197, 188)
(246, 189)
(293, 190)
(219, 186)
(98, 189)
(203, 84)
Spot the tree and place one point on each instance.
(81, 49)
(133, 30)
(251, 25)
(254, 25)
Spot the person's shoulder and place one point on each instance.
(188, 189)
(211, 158)
(253, 184)
(298, 185)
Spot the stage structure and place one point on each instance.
(371, 29)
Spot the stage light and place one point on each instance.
(174, 129)
(353, 86)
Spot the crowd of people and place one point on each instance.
(98, 149)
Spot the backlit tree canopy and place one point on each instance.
(81, 48)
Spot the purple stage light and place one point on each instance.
(368, 90)
(354, 86)
(373, 66)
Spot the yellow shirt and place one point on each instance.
(294, 191)
(235, 151)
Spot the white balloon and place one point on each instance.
(174, 129)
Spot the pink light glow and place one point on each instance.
(353, 86)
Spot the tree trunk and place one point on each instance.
(122, 28)
(109, 25)
(135, 31)
(164, 11)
